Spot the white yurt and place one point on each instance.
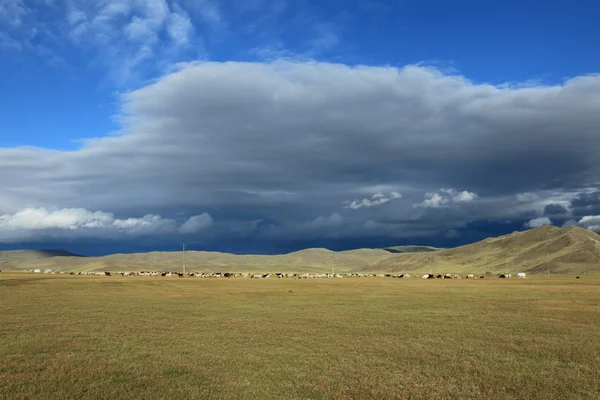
(521, 275)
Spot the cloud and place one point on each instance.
(586, 202)
(196, 223)
(569, 223)
(434, 200)
(437, 200)
(287, 142)
(12, 12)
(34, 223)
(591, 222)
(464, 197)
(8, 42)
(537, 222)
(376, 200)
(527, 197)
(325, 38)
(555, 209)
(129, 38)
(208, 10)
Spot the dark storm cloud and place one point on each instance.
(555, 209)
(295, 142)
(586, 203)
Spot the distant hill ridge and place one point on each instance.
(540, 250)
(16, 259)
(411, 249)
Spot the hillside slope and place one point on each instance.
(309, 260)
(557, 250)
(14, 259)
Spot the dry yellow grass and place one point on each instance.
(557, 250)
(64, 337)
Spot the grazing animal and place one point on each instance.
(107, 273)
(470, 276)
(575, 277)
(482, 277)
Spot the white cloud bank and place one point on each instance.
(30, 223)
(447, 197)
(537, 222)
(376, 200)
(591, 222)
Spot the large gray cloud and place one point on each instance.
(292, 142)
(555, 209)
(586, 203)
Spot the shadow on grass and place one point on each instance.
(309, 394)
(121, 377)
(176, 372)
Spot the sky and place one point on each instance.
(268, 126)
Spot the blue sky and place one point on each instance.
(75, 70)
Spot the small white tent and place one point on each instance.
(37, 271)
(521, 275)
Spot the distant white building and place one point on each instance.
(521, 275)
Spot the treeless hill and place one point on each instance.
(308, 260)
(548, 248)
(12, 259)
(558, 250)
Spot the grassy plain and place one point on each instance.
(75, 337)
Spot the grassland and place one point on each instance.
(69, 337)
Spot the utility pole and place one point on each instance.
(183, 257)
(333, 264)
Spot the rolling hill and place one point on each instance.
(308, 260)
(540, 250)
(557, 250)
(15, 259)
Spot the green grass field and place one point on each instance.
(72, 337)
